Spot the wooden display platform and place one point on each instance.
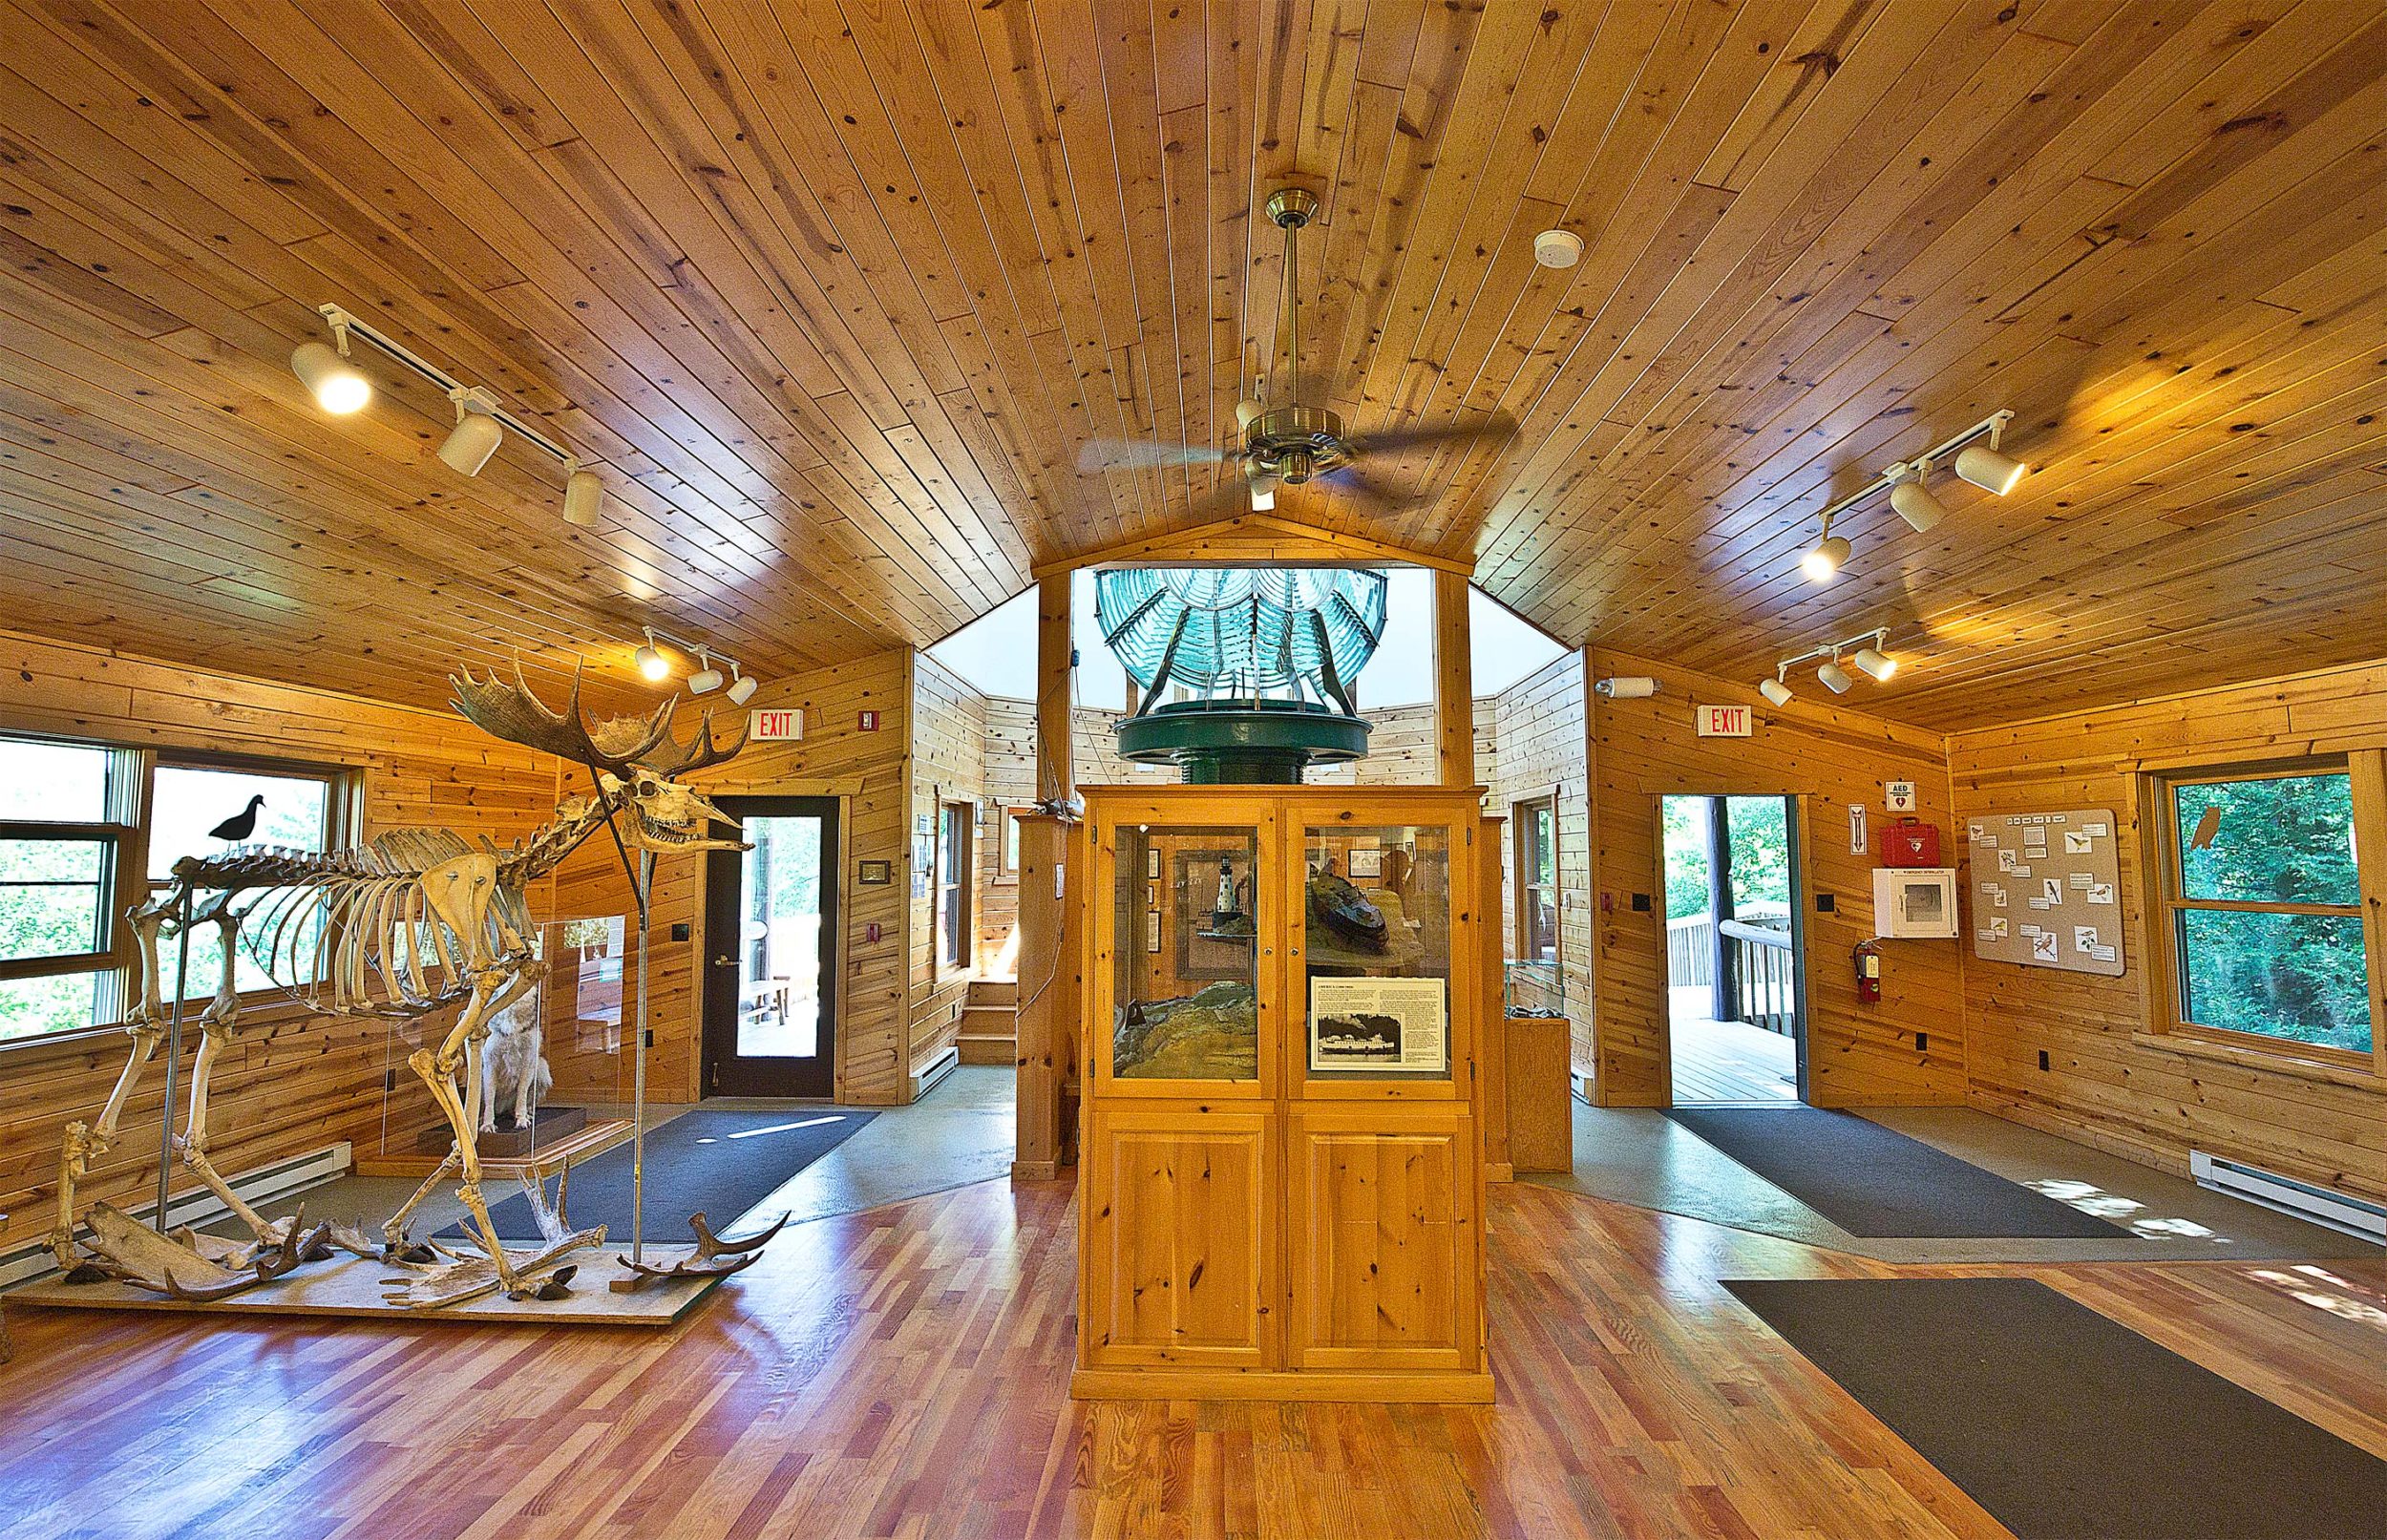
(593, 1139)
(1262, 1384)
(349, 1287)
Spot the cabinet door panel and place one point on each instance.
(1385, 1247)
(1180, 1259)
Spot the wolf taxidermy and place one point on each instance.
(514, 1065)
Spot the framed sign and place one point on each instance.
(1724, 721)
(1381, 1025)
(780, 725)
(875, 874)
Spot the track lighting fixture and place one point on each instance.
(1915, 502)
(1867, 656)
(1823, 560)
(706, 680)
(482, 423)
(1980, 463)
(476, 435)
(338, 386)
(741, 687)
(1263, 485)
(651, 662)
(1988, 470)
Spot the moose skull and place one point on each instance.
(667, 816)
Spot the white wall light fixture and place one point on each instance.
(1626, 688)
(1976, 461)
(482, 421)
(1864, 649)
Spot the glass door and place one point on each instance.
(770, 925)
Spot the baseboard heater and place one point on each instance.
(947, 1059)
(2351, 1215)
(201, 1207)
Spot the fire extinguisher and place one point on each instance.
(1869, 972)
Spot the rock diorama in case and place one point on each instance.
(412, 924)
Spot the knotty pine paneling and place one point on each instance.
(948, 764)
(1011, 766)
(1829, 757)
(292, 1081)
(1537, 732)
(2109, 1079)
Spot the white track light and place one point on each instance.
(1916, 504)
(1880, 665)
(1834, 677)
(651, 662)
(338, 386)
(741, 688)
(1824, 562)
(708, 679)
(476, 435)
(1774, 690)
(1988, 470)
(584, 495)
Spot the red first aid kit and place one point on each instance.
(1910, 842)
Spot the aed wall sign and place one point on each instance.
(1722, 721)
(784, 724)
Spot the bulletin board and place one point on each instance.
(2047, 890)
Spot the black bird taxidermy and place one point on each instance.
(241, 825)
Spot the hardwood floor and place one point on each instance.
(901, 1373)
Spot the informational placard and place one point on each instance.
(2047, 890)
(1898, 796)
(1382, 1026)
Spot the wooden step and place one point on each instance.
(988, 1050)
(994, 991)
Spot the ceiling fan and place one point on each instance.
(1292, 444)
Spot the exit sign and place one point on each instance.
(784, 724)
(1724, 721)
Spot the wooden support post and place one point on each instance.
(1492, 1061)
(1454, 687)
(1046, 1023)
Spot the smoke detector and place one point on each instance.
(1558, 248)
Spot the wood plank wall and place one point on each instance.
(948, 737)
(1829, 757)
(2109, 1081)
(1537, 726)
(293, 1081)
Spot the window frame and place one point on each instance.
(2166, 987)
(956, 947)
(132, 803)
(1006, 872)
(1522, 817)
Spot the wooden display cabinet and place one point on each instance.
(1269, 1210)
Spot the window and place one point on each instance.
(1537, 880)
(2263, 908)
(953, 886)
(1008, 849)
(86, 831)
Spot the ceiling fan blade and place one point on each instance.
(1143, 454)
(1371, 495)
(1495, 425)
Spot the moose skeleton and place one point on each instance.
(407, 926)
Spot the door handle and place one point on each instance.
(725, 963)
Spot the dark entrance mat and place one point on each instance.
(1872, 1181)
(722, 1163)
(2066, 1425)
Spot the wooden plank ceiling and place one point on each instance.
(834, 295)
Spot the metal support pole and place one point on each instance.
(638, 1066)
(174, 1056)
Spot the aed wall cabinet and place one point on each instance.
(1915, 901)
(1283, 1164)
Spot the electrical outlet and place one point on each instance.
(1826, 903)
(1640, 903)
(1922, 1042)
(2042, 1058)
(680, 931)
(650, 1037)
(388, 1081)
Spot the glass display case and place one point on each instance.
(1376, 949)
(1186, 971)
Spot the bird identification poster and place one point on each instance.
(1381, 1025)
(2046, 888)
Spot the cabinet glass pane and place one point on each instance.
(1186, 999)
(1375, 942)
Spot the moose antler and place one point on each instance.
(699, 753)
(515, 714)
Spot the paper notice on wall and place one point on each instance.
(2041, 903)
(2095, 830)
(2006, 860)
(2077, 842)
(2100, 893)
(2103, 954)
(2043, 948)
(2051, 889)
(1381, 1025)
(2034, 838)
(2021, 871)
(2080, 882)
(1996, 893)
(1857, 842)
(1975, 832)
(2084, 939)
(1997, 928)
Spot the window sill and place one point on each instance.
(264, 1012)
(2274, 1061)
